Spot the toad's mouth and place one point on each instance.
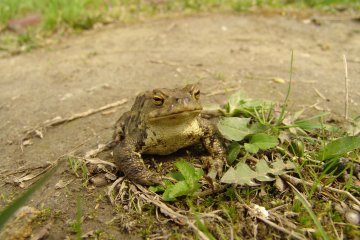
(175, 115)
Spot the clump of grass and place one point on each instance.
(79, 168)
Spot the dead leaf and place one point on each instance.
(280, 184)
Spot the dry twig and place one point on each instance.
(111, 189)
(165, 209)
(58, 120)
(99, 149)
(320, 94)
(297, 181)
(149, 197)
(291, 233)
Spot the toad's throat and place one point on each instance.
(175, 115)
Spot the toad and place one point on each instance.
(161, 122)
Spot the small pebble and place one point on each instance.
(352, 217)
(99, 181)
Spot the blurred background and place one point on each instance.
(28, 24)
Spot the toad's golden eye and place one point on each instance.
(196, 94)
(158, 100)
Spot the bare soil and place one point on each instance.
(102, 66)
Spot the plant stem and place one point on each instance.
(282, 114)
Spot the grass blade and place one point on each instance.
(78, 218)
(8, 212)
(307, 207)
(339, 147)
(282, 114)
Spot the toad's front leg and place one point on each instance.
(214, 146)
(218, 153)
(129, 161)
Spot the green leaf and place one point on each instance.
(191, 175)
(179, 189)
(340, 147)
(310, 125)
(263, 141)
(263, 167)
(315, 122)
(235, 101)
(176, 175)
(188, 184)
(156, 189)
(251, 148)
(234, 128)
(6, 214)
(239, 103)
(244, 175)
(280, 166)
(233, 151)
(258, 127)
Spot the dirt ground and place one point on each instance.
(116, 62)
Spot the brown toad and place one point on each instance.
(161, 122)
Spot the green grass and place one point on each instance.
(11, 209)
(82, 14)
(64, 16)
(76, 226)
(55, 13)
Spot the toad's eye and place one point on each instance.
(196, 94)
(158, 101)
